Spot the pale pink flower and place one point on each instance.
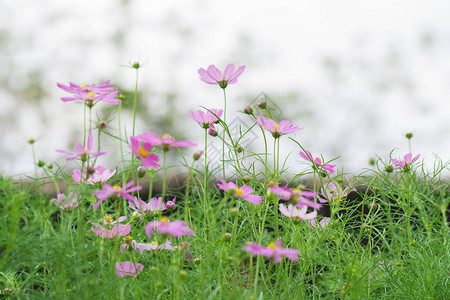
(317, 162)
(82, 152)
(296, 213)
(206, 119)
(274, 251)
(149, 160)
(171, 204)
(128, 268)
(91, 93)
(319, 225)
(153, 246)
(100, 176)
(297, 196)
(155, 204)
(406, 163)
(67, 203)
(277, 130)
(214, 76)
(243, 192)
(166, 141)
(164, 226)
(335, 192)
(109, 232)
(117, 191)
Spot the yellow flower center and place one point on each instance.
(272, 245)
(142, 152)
(117, 187)
(83, 85)
(275, 126)
(239, 191)
(154, 243)
(128, 239)
(164, 220)
(166, 136)
(91, 95)
(108, 219)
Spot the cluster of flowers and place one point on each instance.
(297, 201)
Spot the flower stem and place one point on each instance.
(135, 100)
(164, 176)
(223, 134)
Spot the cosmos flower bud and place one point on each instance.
(49, 166)
(197, 261)
(197, 154)
(183, 274)
(246, 178)
(31, 141)
(239, 149)
(136, 65)
(262, 104)
(372, 161)
(248, 110)
(234, 211)
(388, 168)
(101, 124)
(41, 163)
(212, 131)
(141, 171)
(409, 135)
(227, 235)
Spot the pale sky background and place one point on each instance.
(357, 75)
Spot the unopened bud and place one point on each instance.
(409, 135)
(41, 163)
(372, 161)
(246, 178)
(49, 166)
(183, 274)
(136, 65)
(248, 110)
(197, 261)
(239, 149)
(141, 171)
(227, 235)
(7, 291)
(212, 131)
(262, 104)
(388, 168)
(101, 125)
(197, 154)
(234, 211)
(31, 141)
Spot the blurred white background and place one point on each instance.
(357, 75)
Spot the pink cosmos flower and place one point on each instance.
(81, 152)
(284, 127)
(319, 225)
(149, 160)
(274, 251)
(214, 76)
(164, 226)
(66, 203)
(166, 141)
(335, 192)
(171, 204)
(116, 190)
(153, 246)
(317, 162)
(128, 268)
(297, 214)
(91, 93)
(243, 192)
(110, 228)
(154, 204)
(297, 196)
(406, 163)
(206, 119)
(100, 175)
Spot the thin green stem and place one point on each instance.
(223, 134)
(164, 176)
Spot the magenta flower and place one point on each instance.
(92, 93)
(297, 196)
(317, 162)
(214, 76)
(117, 191)
(100, 175)
(149, 160)
(296, 213)
(128, 268)
(335, 192)
(206, 119)
(284, 127)
(155, 204)
(171, 204)
(66, 203)
(164, 226)
(274, 251)
(166, 141)
(153, 246)
(81, 152)
(406, 163)
(243, 192)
